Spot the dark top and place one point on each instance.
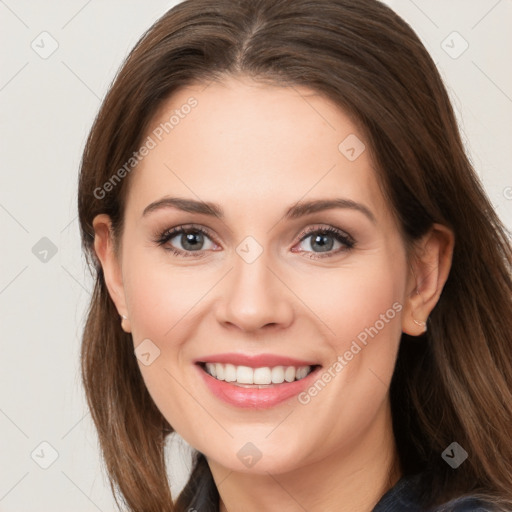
(404, 497)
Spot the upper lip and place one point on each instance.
(255, 360)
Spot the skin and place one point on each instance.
(256, 150)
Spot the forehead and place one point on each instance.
(252, 146)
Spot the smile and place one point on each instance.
(255, 381)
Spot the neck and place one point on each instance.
(351, 479)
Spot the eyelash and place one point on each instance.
(339, 235)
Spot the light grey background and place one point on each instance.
(47, 107)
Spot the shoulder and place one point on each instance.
(406, 496)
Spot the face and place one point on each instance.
(306, 301)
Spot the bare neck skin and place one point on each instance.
(353, 480)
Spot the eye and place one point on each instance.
(324, 240)
(184, 240)
(195, 241)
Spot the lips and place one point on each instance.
(255, 381)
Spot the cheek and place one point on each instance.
(163, 302)
(167, 305)
(350, 300)
(162, 298)
(360, 306)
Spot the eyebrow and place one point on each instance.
(299, 209)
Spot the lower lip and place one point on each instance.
(256, 398)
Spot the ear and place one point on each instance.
(430, 264)
(110, 263)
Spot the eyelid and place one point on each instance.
(326, 228)
(176, 230)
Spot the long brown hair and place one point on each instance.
(454, 383)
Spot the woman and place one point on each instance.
(296, 269)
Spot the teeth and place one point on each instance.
(261, 376)
(219, 371)
(277, 375)
(301, 372)
(289, 374)
(244, 375)
(211, 368)
(230, 373)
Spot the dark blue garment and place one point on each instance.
(404, 497)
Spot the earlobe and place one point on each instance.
(422, 324)
(430, 266)
(104, 249)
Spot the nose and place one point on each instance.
(254, 296)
